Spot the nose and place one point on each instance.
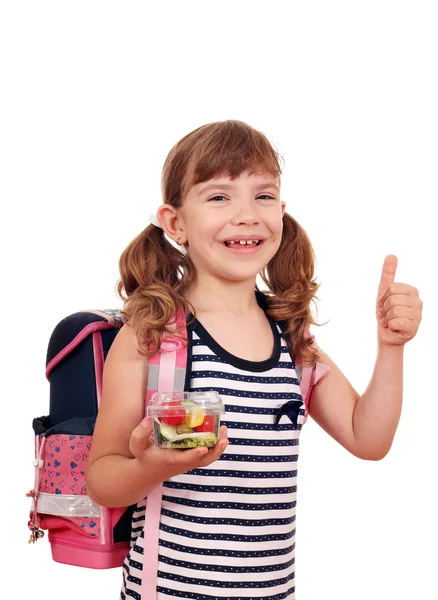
(245, 213)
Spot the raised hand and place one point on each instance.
(398, 307)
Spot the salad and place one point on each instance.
(186, 423)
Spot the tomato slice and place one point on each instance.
(206, 425)
(173, 416)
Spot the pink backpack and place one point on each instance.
(81, 532)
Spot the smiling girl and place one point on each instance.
(227, 517)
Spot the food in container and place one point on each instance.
(185, 419)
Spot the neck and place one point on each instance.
(210, 295)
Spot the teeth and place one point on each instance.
(243, 242)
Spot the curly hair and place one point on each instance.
(154, 274)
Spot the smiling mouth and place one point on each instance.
(243, 243)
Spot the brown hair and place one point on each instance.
(155, 274)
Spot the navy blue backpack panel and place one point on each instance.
(73, 385)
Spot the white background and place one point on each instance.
(94, 95)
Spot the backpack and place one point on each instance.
(80, 532)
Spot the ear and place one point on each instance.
(171, 223)
(283, 208)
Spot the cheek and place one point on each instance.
(204, 231)
(276, 227)
(277, 237)
(200, 238)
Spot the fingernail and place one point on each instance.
(145, 423)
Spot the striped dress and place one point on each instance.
(228, 530)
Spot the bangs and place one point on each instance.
(229, 148)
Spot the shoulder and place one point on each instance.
(124, 362)
(125, 345)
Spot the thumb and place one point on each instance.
(140, 438)
(388, 274)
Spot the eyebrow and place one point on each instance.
(230, 186)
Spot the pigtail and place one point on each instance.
(153, 277)
(290, 279)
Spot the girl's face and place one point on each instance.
(232, 227)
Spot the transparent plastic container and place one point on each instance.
(185, 419)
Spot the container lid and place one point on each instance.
(179, 403)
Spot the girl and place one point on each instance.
(227, 520)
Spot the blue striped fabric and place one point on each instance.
(228, 530)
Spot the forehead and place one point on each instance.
(256, 182)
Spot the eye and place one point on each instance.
(260, 196)
(214, 198)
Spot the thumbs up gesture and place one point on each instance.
(398, 308)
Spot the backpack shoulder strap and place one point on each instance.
(167, 368)
(309, 377)
(166, 372)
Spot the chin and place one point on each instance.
(238, 276)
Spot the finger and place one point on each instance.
(398, 312)
(399, 289)
(401, 325)
(223, 440)
(388, 274)
(140, 437)
(223, 432)
(397, 300)
(214, 453)
(191, 458)
(185, 458)
(218, 450)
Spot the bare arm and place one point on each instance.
(365, 425)
(124, 463)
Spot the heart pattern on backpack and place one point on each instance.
(67, 471)
(69, 477)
